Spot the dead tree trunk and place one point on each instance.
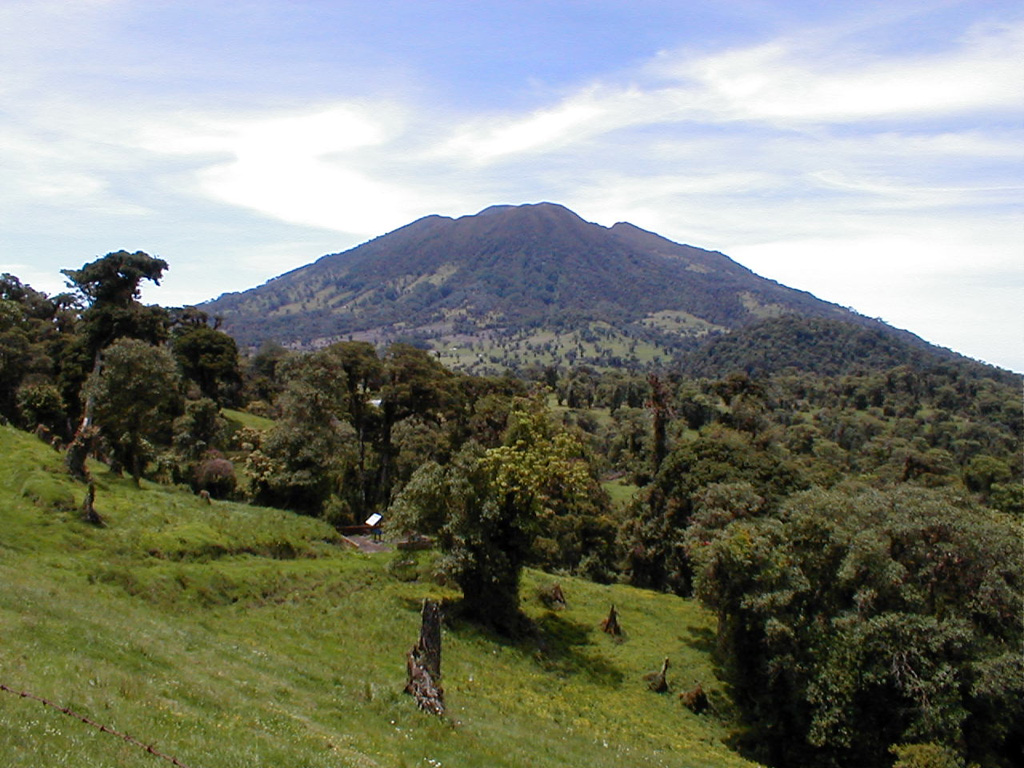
(611, 624)
(82, 443)
(696, 700)
(423, 662)
(658, 681)
(89, 513)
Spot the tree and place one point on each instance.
(31, 327)
(858, 619)
(488, 506)
(111, 287)
(306, 458)
(412, 384)
(363, 377)
(209, 358)
(137, 395)
(653, 537)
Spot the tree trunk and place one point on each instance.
(661, 414)
(658, 682)
(89, 513)
(78, 451)
(611, 624)
(81, 444)
(423, 662)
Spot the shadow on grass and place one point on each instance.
(703, 639)
(555, 643)
(563, 646)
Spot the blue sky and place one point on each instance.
(868, 152)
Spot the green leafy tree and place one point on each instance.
(261, 374)
(653, 538)
(412, 384)
(858, 619)
(111, 288)
(31, 329)
(489, 506)
(137, 395)
(197, 435)
(41, 403)
(364, 373)
(209, 358)
(304, 459)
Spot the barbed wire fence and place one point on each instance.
(99, 726)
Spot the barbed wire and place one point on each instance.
(99, 726)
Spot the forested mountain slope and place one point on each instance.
(515, 284)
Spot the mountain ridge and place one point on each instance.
(536, 275)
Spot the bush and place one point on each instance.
(216, 476)
(41, 404)
(925, 756)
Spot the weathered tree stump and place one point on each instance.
(611, 624)
(695, 700)
(89, 513)
(423, 662)
(658, 681)
(553, 597)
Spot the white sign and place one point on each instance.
(373, 519)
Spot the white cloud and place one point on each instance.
(811, 157)
(325, 167)
(796, 81)
(544, 130)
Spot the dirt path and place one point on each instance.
(367, 544)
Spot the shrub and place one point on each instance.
(216, 476)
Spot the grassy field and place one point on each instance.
(228, 635)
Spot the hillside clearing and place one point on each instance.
(238, 636)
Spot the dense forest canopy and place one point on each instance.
(850, 506)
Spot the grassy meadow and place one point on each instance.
(234, 636)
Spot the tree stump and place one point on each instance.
(658, 681)
(696, 700)
(423, 662)
(611, 624)
(89, 513)
(553, 597)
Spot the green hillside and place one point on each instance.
(231, 635)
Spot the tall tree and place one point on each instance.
(111, 289)
(488, 507)
(137, 395)
(305, 457)
(209, 358)
(413, 384)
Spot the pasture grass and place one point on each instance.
(235, 636)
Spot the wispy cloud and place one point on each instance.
(816, 156)
(796, 82)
